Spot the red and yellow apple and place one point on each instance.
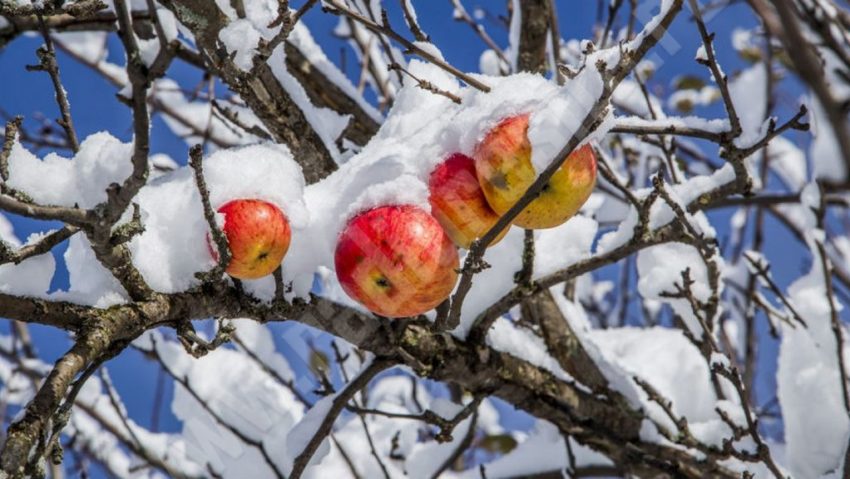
(396, 261)
(258, 236)
(458, 203)
(505, 172)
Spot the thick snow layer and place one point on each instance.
(666, 360)
(420, 131)
(238, 396)
(90, 46)
(824, 151)
(95, 422)
(789, 162)
(90, 282)
(748, 91)
(81, 180)
(32, 276)
(174, 246)
(809, 379)
(241, 38)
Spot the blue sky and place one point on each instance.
(94, 109)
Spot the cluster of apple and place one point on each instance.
(398, 260)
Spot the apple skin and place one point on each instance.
(505, 172)
(396, 261)
(458, 202)
(258, 235)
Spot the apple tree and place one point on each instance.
(373, 263)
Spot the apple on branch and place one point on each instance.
(258, 236)
(396, 261)
(505, 172)
(458, 202)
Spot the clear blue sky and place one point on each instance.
(94, 109)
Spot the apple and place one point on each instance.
(504, 169)
(258, 236)
(396, 261)
(458, 202)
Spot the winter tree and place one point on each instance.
(686, 321)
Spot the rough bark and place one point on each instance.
(261, 91)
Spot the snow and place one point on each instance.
(660, 269)
(90, 282)
(490, 63)
(661, 214)
(303, 432)
(556, 249)
(559, 247)
(542, 451)
(430, 49)
(789, 162)
(419, 131)
(238, 396)
(808, 379)
(750, 99)
(694, 122)
(150, 49)
(241, 39)
(668, 361)
(824, 151)
(95, 423)
(687, 99)
(327, 123)
(301, 38)
(701, 54)
(629, 97)
(32, 276)
(87, 45)
(512, 51)
(192, 119)
(520, 342)
(174, 246)
(82, 180)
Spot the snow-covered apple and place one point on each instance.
(458, 203)
(505, 172)
(258, 235)
(396, 261)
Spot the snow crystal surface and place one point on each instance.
(174, 245)
(808, 379)
(32, 276)
(660, 269)
(824, 151)
(237, 394)
(241, 38)
(749, 97)
(81, 180)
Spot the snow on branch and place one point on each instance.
(635, 338)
